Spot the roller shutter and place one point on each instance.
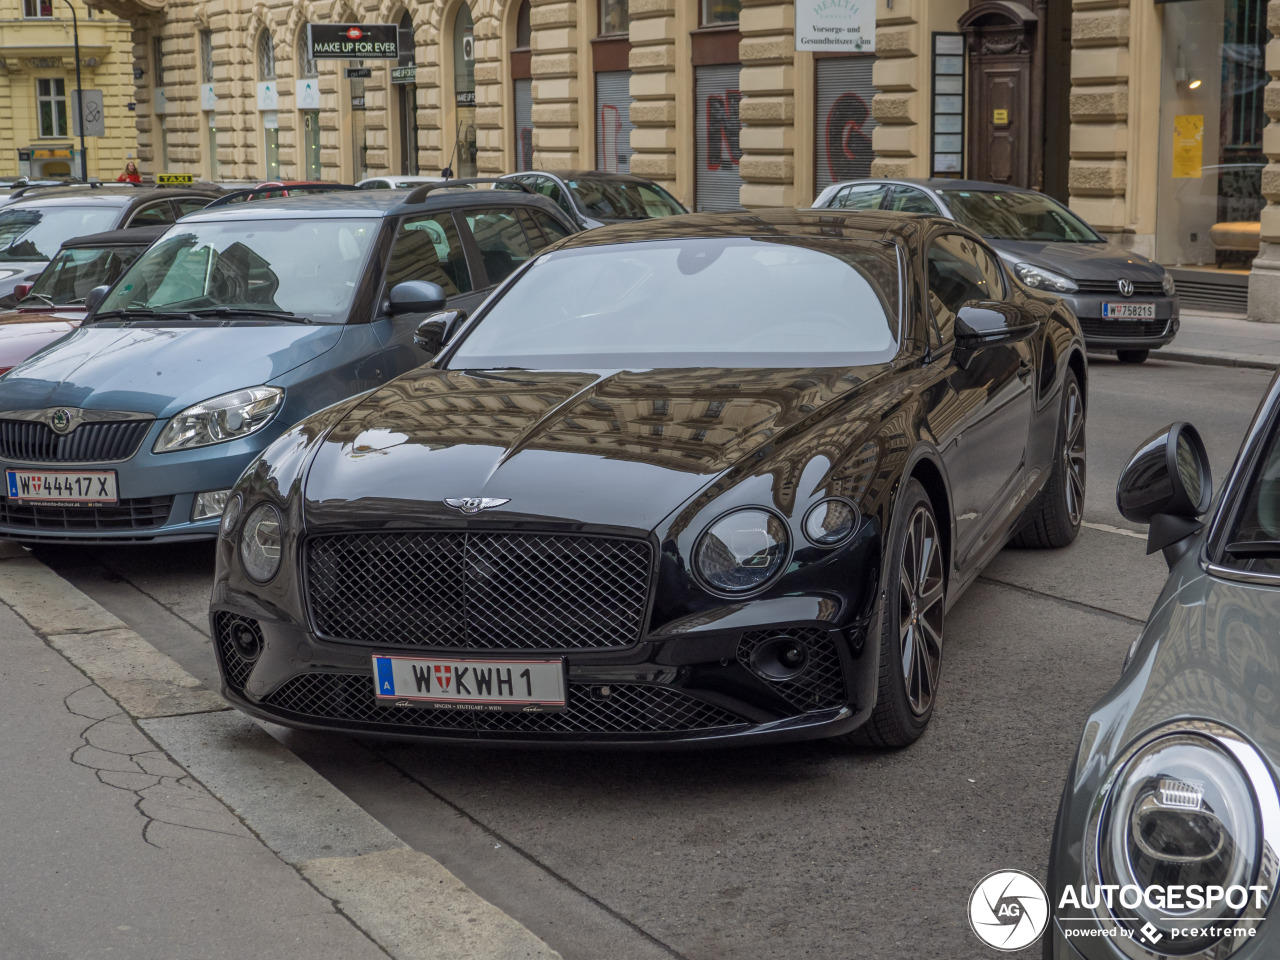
(843, 121)
(524, 124)
(716, 99)
(613, 121)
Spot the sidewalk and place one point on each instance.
(1224, 341)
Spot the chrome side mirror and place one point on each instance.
(1168, 484)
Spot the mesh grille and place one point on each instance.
(140, 514)
(821, 684)
(31, 442)
(1141, 288)
(630, 708)
(235, 668)
(479, 590)
(1123, 328)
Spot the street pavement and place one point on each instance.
(805, 850)
(1224, 340)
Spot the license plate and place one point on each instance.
(62, 487)
(1129, 311)
(439, 683)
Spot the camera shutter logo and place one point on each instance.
(1008, 910)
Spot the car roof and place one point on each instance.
(119, 238)
(590, 175)
(363, 204)
(870, 225)
(108, 195)
(943, 183)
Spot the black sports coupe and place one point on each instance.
(700, 480)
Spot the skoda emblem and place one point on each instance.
(475, 504)
(1126, 288)
(60, 421)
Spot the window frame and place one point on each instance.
(459, 232)
(601, 7)
(704, 22)
(53, 98)
(906, 190)
(936, 340)
(205, 44)
(474, 252)
(37, 5)
(265, 44)
(861, 186)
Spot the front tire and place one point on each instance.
(1133, 356)
(1053, 519)
(910, 625)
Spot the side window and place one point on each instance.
(154, 215)
(550, 228)
(861, 196)
(955, 279)
(427, 248)
(503, 245)
(911, 200)
(191, 205)
(550, 189)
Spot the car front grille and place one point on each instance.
(479, 590)
(626, 708)
(1141, 288)
(144, 513)
(1128, 329)
(820, 685)
(27, 441)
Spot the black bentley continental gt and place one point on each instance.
(700, 480)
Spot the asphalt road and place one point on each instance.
(799, 851)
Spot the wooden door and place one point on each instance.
(1000, 111)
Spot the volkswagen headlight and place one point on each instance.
(1185, 838)
(742, 551)
(219, 419)
(1170, 288)
(1042, 279)
(260, 543)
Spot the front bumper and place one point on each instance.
(1108, 334)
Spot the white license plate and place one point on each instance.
(62, 487)
(442, 683)
(1129, 311)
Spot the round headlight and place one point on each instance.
(1182, 837)
(831, 522)
(742, 551)
(260, 543)
(230, 514)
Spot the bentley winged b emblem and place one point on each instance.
(475, 504)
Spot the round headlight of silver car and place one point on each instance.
(831, 522)
(742, 551)
(260, 543)
(1186, 837)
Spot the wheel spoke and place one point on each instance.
(909, 654)
(930, 598)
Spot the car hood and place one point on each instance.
(160, 370)
(23, 332)
(1081, 261)
(619, 449)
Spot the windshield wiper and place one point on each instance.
(250, 312)
(43, 296)
(1255, 548)
(144, 313)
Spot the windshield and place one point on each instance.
(307, 267)
(73, 273)
(1018, 216)
(696, 302)
(1257, 520)
(623, 199)
(36, 233)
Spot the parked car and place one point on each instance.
(237, 323)
(1174, 782)
(655, 489)
(54, 304)
(397, 183)
(1124, 301)
(594, 198)
(34, 226)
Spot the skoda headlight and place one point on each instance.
(1042, 279)
(219, 419)
(260, 543)
(1170, 288)
(1185, 834)
(742, 551)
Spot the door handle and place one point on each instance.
(1024, 368)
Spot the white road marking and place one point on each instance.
(1108, 528)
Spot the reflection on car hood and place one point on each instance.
(1081, 261)
(616, 448)
(159, 370)
(23, 332)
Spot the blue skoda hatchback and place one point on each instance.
(240, 321)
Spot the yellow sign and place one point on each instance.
(174, 179)
(1000, 118)
(1188, 141)
(51, 154)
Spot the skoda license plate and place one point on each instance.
(1129, 311)
(439, 683)
(62, 487)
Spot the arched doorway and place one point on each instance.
(462, 157)
(406, 83)
(1006, 92)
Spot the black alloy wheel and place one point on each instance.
(1054, 516)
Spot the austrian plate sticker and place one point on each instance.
(441, 683)
(61, 487)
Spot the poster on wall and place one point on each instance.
(1188, 144)
(847, 25)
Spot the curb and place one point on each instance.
(405, 901)
(1214, 358)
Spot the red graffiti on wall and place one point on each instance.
(723, 128)
(848, 147)
(610, 132)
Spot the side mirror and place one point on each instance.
(1167, 483)
(984, 323)
(416, 296)
(21, 290)
(435, 331)
(95, 297)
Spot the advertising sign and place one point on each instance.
(353, 41)
(407, 74)
(847, 25)
(1188, 145)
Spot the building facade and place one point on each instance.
(38, 83)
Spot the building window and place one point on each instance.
(524, 27)
(720, 11)
(308, 64)
(51, 103)
(157, 60)
(206, 56)
(614, 17)
(266, 56)
(37, 8)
